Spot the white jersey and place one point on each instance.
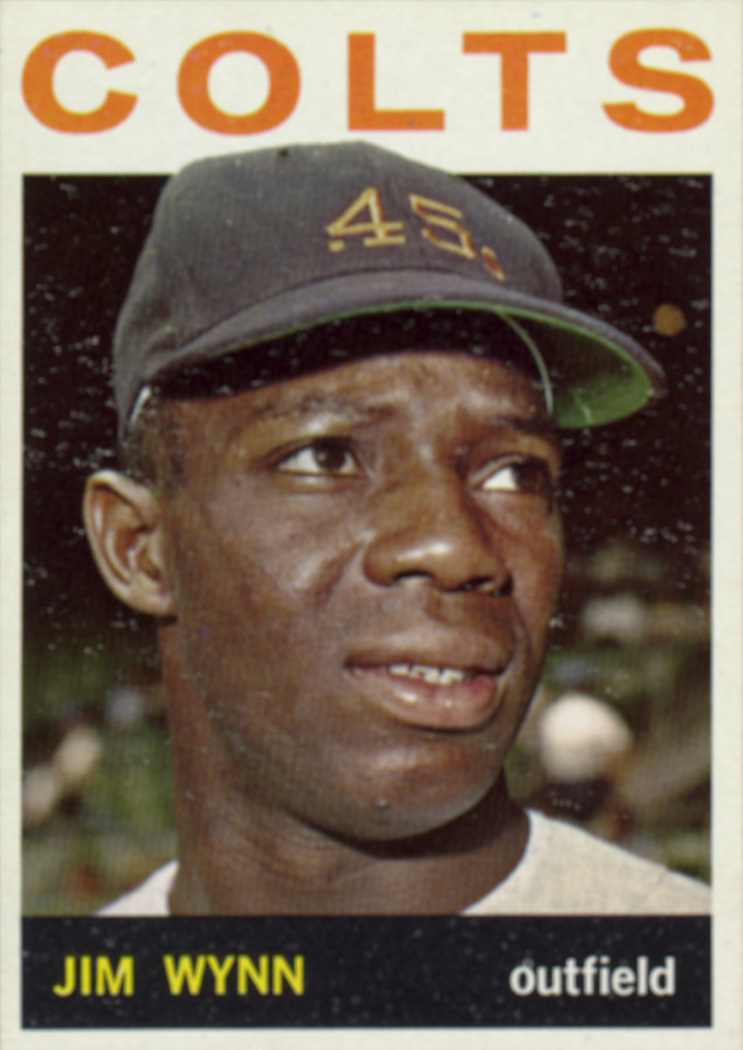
(564, 871)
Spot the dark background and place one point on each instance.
(625, 246)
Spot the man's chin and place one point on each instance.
(412, 825)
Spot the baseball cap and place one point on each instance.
(252, 247)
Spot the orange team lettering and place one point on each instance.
(38, 82)
(283, 79)
(514, 49)
(624, 62)
(363, 114)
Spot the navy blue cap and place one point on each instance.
(250, 247)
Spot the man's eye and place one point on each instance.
(528, 475)
(321, 457)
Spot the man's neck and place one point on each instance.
(257, 863)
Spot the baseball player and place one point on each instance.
(340, 378)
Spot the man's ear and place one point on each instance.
(124, 525)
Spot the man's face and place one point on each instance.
(364, 563)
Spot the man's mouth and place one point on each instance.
(433, 696)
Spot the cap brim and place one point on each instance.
(597, 373)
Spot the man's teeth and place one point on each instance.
(426, 673)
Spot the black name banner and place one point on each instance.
(368, 972)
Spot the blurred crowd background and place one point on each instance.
(617, 738)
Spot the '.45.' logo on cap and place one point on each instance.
(378, 232)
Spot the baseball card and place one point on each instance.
(372, 587)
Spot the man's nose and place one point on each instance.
(434, 530)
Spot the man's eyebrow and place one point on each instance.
(321, 402)
(531, 427)
(326, 403)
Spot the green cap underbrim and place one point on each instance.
(591, 377)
